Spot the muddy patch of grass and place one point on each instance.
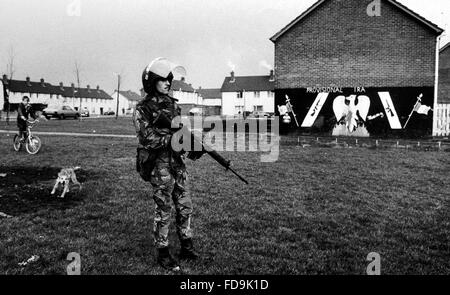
(26, 189)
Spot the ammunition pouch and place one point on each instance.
(145, 162)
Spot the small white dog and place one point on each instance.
(64, 177)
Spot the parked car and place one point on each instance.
(258, 114)
(61, 113)
(109, 113)
(84, 112)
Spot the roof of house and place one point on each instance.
(210, 93)
(248, 83)
(47, 88)
(32, 87)
(400, 6)
(179, 85)
(130, 95)
(445, 47)
(85, 93)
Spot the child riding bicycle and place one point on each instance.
(24, 112)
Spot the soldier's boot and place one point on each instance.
(187, 250)
(166, 260)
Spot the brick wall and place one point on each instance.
(444, 77)
(338, 44)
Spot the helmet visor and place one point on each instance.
(163, 67)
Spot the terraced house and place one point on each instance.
(247, 94)
(127, 101)
(43, 94)
(212, 101)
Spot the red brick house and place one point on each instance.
(444, 75)
(336, 49)
(441, 125)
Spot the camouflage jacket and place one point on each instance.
(152, 137)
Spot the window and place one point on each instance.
(257, 94)
(258, 108)
(240, 94)
(239, 109)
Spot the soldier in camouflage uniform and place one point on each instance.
(166, 170)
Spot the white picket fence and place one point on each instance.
(442, 120)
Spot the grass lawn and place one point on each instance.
(105, 125)
(316, 210)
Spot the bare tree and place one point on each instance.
(10, 69)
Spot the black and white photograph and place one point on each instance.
(224, 138)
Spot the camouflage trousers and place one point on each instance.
(169, 186)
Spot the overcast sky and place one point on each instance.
(122, 36)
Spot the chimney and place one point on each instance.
(28, 81)
(272, 76)
(88, 88)
(5, 79)
(199, 87)
(61, 85)
(182, 79)
(98, 88)
(232, 80)
(72, 85)
(42, 82)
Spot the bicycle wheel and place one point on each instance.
(33, 145)
(16, 143)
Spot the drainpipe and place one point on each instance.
(436, 85)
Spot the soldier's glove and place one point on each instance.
(167, 140)
(195, 155)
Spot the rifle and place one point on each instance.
(164, 122)
(291, 109)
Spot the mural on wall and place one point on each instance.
(352, 113)
(286, 111)
(358, 111)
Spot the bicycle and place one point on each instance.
(32, 142)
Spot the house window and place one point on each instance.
(240, 94)
(257, 94)
(258, 108)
